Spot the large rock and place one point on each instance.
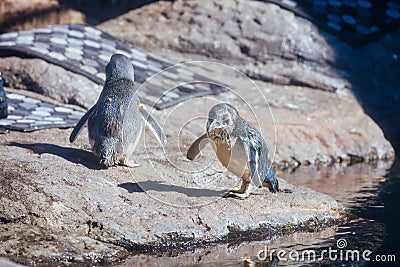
(57, 205)
(273, 45)
(21, 15)
(302, 126)
(12, 9)
(318, 116)
(262, 40)
(50, 80)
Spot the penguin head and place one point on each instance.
(222, 116)
(119, 67)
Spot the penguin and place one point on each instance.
(240, 148)
(115, 121)
(3, 101)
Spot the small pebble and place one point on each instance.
(334, 26)
(41, 113)
(14, 117)
(15, 96)
(5, 122)
(364, 3)
(349, 19)
(31, 100)
(393, 5)
(25, 121)
(393, 13)
(45, 109)
(334, 18)
(320, 3)
(53, 119)
(335, 3)
(362, 29)
(349, 3)
(63, 110)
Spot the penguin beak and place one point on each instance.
(214, 124)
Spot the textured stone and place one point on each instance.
(246, 30)
(50, 80)
(54, 192)
(20, 14)
(7, 263)
(273, 45)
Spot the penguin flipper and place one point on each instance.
(153, 125)
(80, 124)
(260, 167)
(252, 162)
(196, 147)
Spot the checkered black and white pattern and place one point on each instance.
(86, 50)
(30, 114)
(355, 21)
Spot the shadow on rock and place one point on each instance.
(157, 186)
(94, 10)
(73, 155)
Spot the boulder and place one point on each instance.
(55, 193)
(21, 15)
(317, 94)
(50, 80)
(300, 124)
(334, 83)
(260, 39)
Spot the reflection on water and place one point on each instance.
(350, 185)
(248, 253)
(361, 188)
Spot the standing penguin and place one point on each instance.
(3, 101)
(114, 122)
(239, 147)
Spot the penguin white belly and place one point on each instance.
(130, 146)
(234, 159)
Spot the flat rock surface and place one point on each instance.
(54, 191)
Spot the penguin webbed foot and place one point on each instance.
(237, 194)
(270, 187)
(128, 163)
(242, 193)
(105, 164)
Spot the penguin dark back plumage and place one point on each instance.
(115, 121)
(3, 101)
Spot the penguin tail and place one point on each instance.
(107, 152)
(271, 182)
